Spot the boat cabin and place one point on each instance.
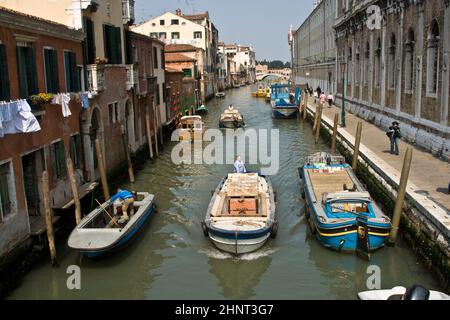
(191, 127)
(243, 195)
(348, 204)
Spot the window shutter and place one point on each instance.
(74, 73)
(90, 41)
(54, 68)
(21, 69)
(67, 71)
(128, 47)
(4, 74)
(106, 41)
(31, 72)
(118, 44)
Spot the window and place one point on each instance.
(198, 35)
(392, 63)
(366, 64)
(26, 59)
(378, 64)
(162, 22)
(175, 22)
(75, 151)
(7, 190)
(187, 73)
(175, 35)
(58, 158)
(153, 24)
(113, 44)
(4, 74)
(358, 67)
(90, 40)
(409, 62)
(155, 58)
(113, 110)
(433, 59)
(73, 83)
(51, 70)
(162, 35)
(153, 34)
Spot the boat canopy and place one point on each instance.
(191, 118)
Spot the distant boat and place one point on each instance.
(220, 95)
(98, 235)
(281, 101)
(241, 215)
(340, 211)
(231, 119)
(284, 110)
(202, 110)
(191, 128)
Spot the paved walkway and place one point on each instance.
(430, 175)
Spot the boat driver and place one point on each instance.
(239, 166)
(127, 202)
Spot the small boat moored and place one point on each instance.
(231, 119)
(202, 110)
(221, 95)
(241, 215)
(284, 110)
(340, 211)
(415, 293)
(101, 232)
(191, 128)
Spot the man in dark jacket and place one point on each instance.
(394, 135)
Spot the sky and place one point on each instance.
(263, 24)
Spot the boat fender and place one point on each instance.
(275, 197)
(341, 244)
(205, 230)
(274, 232)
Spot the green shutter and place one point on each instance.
(128, 47)
(31, 72)
(118, 44)
(67, 71)
(21, 70)
(55, 73)
(90, 41)
(4, 191)
(74, 71)
(4, 74)
(106, 42)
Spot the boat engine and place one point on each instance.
(417, 293)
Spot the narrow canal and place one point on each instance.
(173, 260)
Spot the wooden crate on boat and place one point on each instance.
(248, 207)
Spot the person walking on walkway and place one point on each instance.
(394, 135)
(330, 100)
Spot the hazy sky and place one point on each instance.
(261, 23)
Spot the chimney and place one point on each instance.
(178, 12)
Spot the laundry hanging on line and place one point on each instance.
(16, 117)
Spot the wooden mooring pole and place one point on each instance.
(73, 185)
(357, 146)
(149, 134)
(155, 121)
(401, 197)
(127, 154)
(335, 131)
(319, 123)
(101, 168)
(48, 218)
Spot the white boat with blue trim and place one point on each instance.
(101, 232)
(241, 215)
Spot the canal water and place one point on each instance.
(173, 260)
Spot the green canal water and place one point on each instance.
(173, 260)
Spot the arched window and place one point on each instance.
(350, 66)
(433, 58)
(392, 75)
(378, 64)
(358, 66)
(366, 64)
(409, 61)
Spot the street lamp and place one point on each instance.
(343, 115)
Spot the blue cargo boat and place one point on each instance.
(284, 104)
(98, 235)
(340, 211)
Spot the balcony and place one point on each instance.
(132, 76)
(128, 12)
(96, 77)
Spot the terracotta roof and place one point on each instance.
(34, 17)
(198, 16)
(177, 57)
(180, 48)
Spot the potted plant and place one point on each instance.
(37, 101)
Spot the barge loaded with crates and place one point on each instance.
(241, 215)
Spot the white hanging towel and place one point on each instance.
(65, 100)
(25, 121)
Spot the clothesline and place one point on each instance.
(16, 117)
